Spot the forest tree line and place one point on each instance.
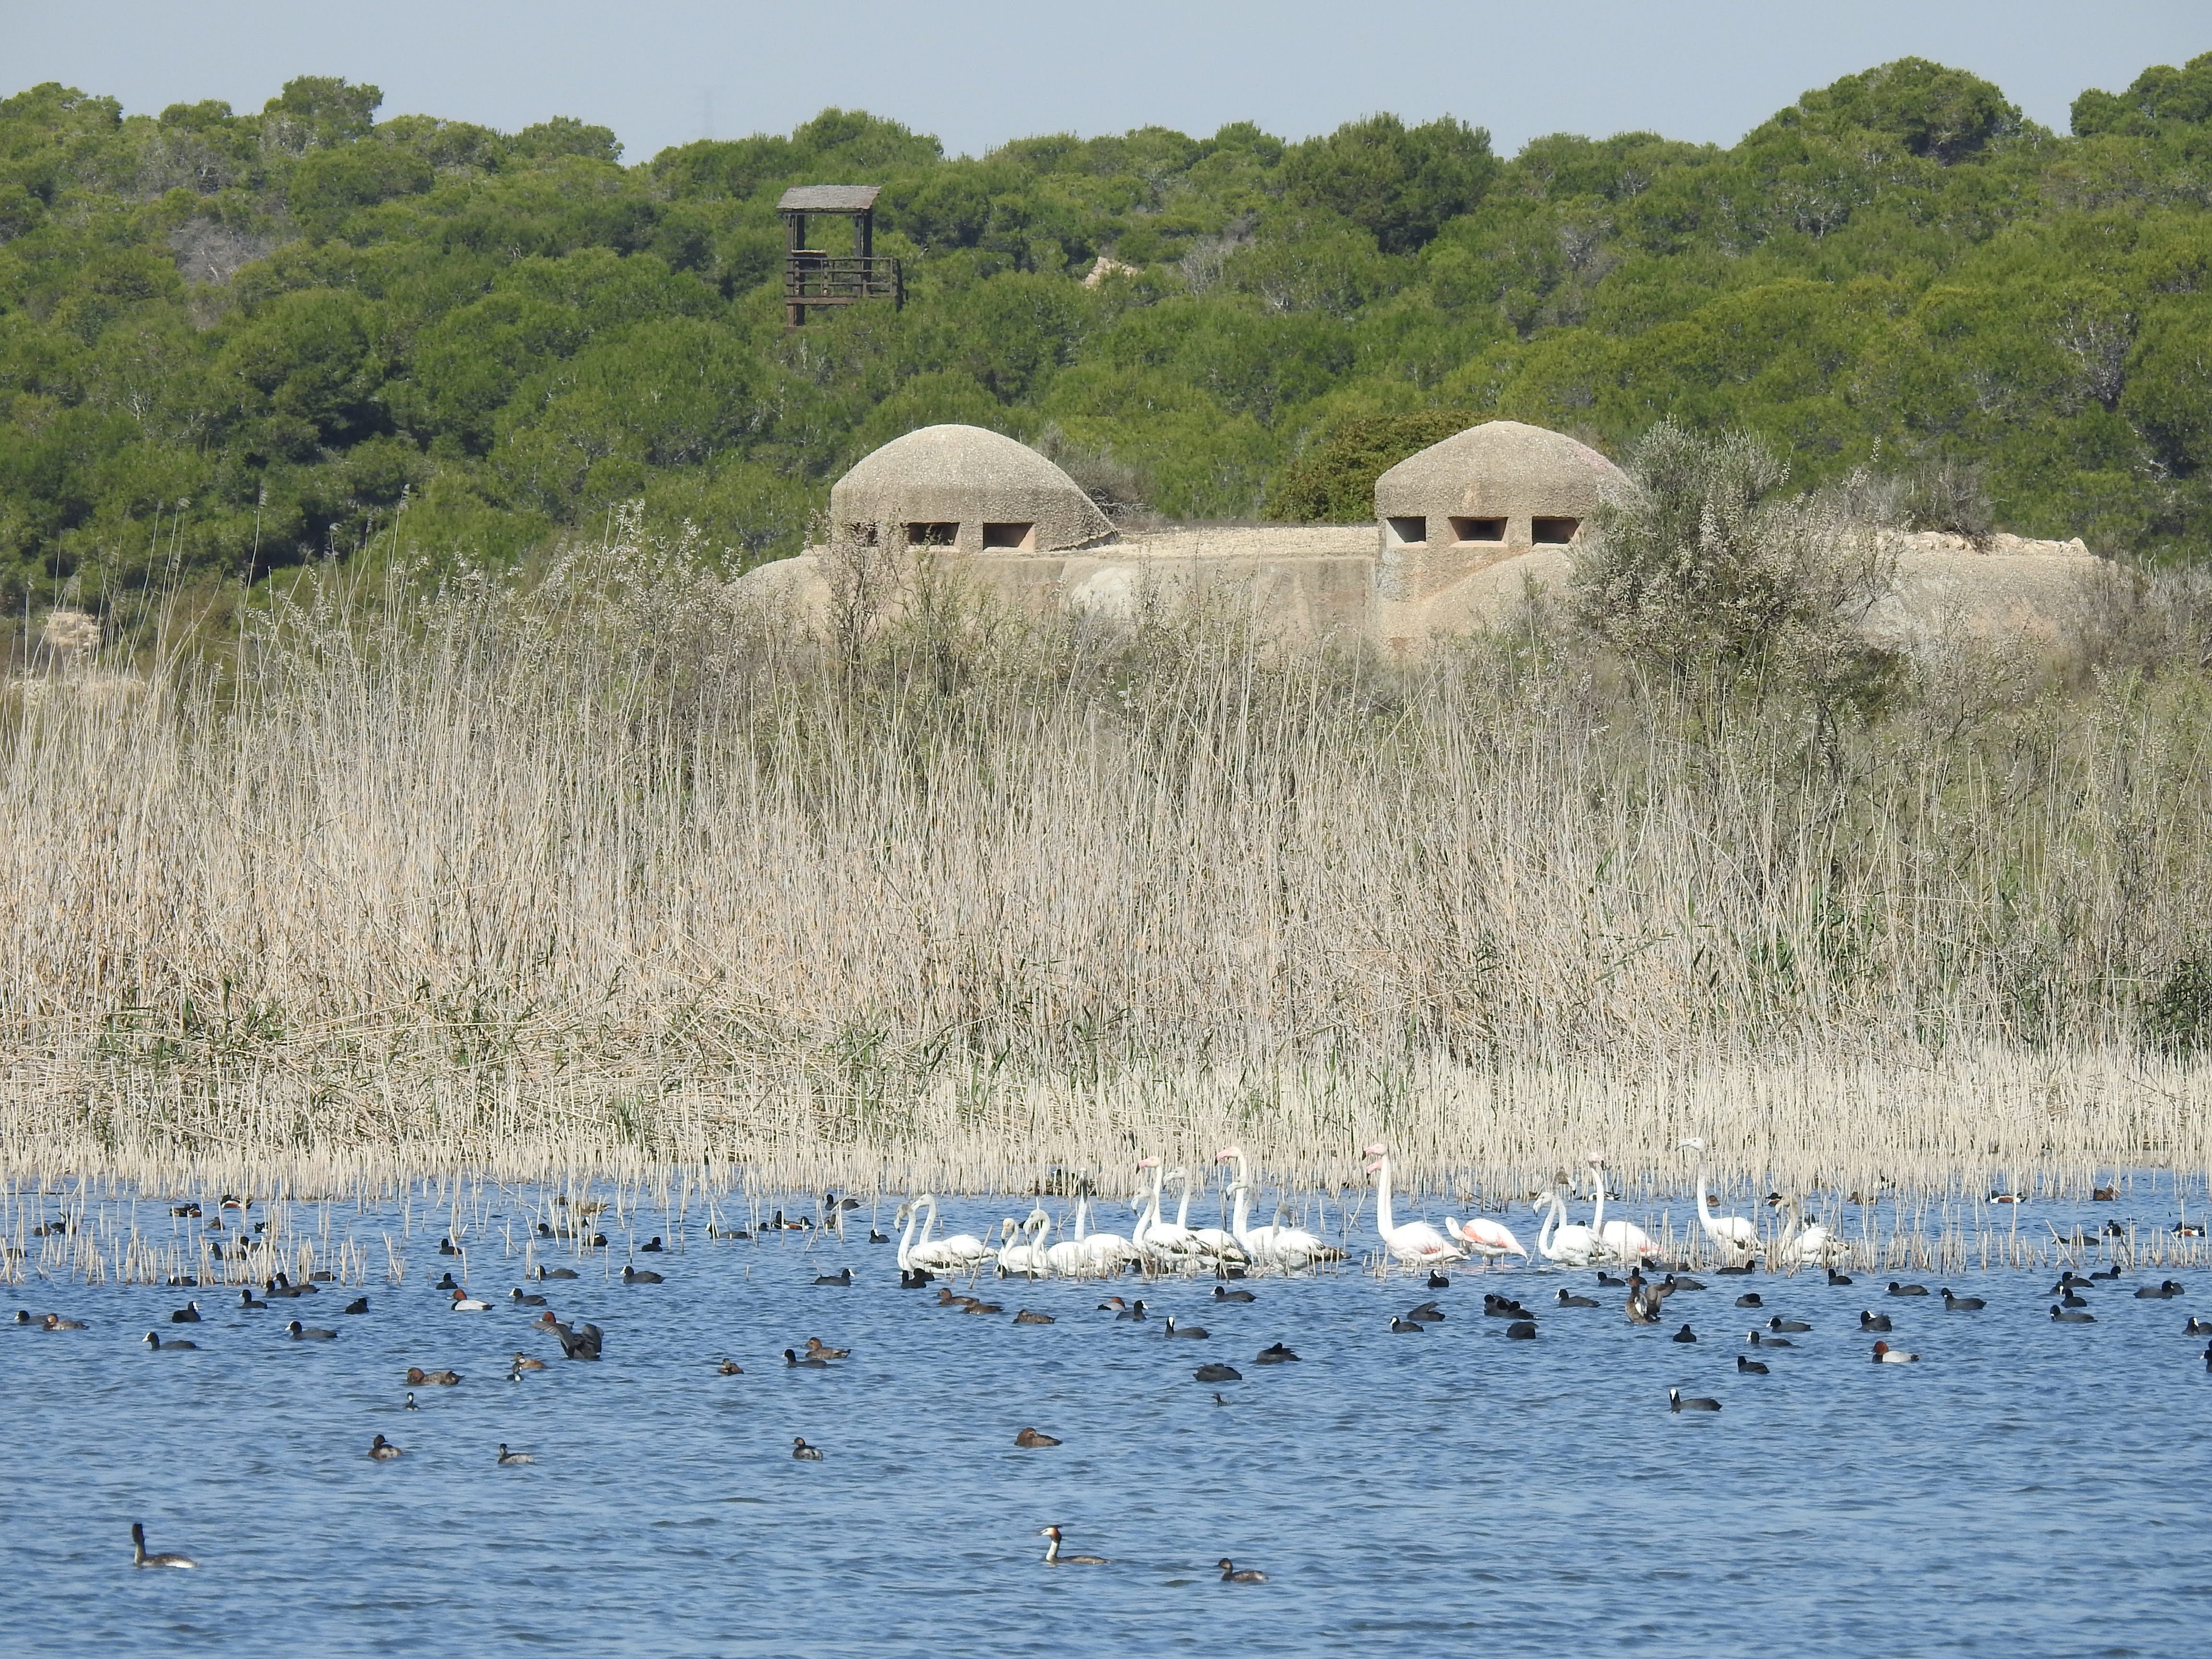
(230, 343)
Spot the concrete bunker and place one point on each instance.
(964, 489)
(1462, 533)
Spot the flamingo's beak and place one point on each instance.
(1372, 1151)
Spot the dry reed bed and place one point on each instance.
(608, 874)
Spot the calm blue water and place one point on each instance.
(2027, 1489)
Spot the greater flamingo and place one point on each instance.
(1734, 1236)
(1416, 1244)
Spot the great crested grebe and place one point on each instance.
(1052, 1558)
(140, 1557)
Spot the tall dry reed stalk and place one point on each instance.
(609, 868)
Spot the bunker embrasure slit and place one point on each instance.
(933, 535)
(1553, 533)
(1478, 530)
(1014, 538)
(1407, 532)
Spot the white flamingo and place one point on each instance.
(1486, 1238)
(1071, 1256)
(1110, 1252)
(1623, 1239)
(1024, 1254)
(1215, 1243)
(1416, 1244)
(1814, 1246)
(1288, 1246)
(942, 1255)
(1572, 1246)
(1735, 1236)
(1156, 1237)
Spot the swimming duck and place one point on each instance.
(446, 1247)
(2164, 1291)
(1195, 1333)
(156, 1343)
(410, 1405)
(1835, 1278)
(1031, 1437)
(419, 1378)
(1873, 1322)
(139, 1558)
(945, 1298)
(524, 1361)
(975, 1307)
(1233, 1574)
(2106, 1273)
(1437, 1281)
(1276, 1354)
(1760, 1339)
(1220, 1373)
(1567, 1301)
(2068, 1299)
(805, 1453)
(632, 1276)
(1962, 1304)
(22, 1315)
(1025, 1317)
(464, 1303)
(57, 1322)
(1675, 1402)
(729, 1368)
(843, 1277)
(190, 1313)
(1524, 1330)
(1222, 1293)
(516, 1297)
(1779, 1323)
(1135, 1310)
(358, 1305)
(1896, 1289)
(1751, 1367)
(509, 1459)
(310, 1333)
(914, 1279)
(652, 1247)
(1886, 1355)
(815, 1345)
(1609, 1282)
(1749, 1299)
(247, 1299)
(2071, 1317)
(556, 1272)
(1403, 1327)
(1685, 1334)
(446, 1283)
(2197, 1327)
(1428, 1314)
(1673, 1283)
(1052, 1558)
(383, 1450)
(813, 1361)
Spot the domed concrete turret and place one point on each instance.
(961, 487)
(1499, 487)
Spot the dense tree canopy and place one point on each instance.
(228, 342)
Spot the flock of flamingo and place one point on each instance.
(1156, 1243)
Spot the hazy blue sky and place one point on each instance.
(978, 73)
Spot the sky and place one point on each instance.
(978, 72)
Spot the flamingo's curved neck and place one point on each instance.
(1077, 1237)
(1597, 1221)
(1552, 1211)
(1241, 1213)
(1383, 1224)
(905, 1240)
(1710, 1223)
(1182, 1210)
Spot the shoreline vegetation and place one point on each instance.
(604, 869)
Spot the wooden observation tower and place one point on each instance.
(811, 277)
